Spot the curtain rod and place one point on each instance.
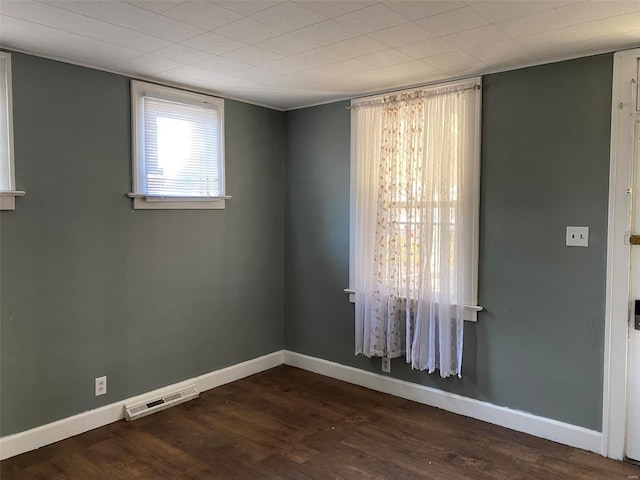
(394, 98)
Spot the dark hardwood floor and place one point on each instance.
(287, 423)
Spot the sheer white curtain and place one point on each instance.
(410, 257)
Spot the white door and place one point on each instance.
(633, 387)
(621, 413)
(633, 418)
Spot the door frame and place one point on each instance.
(617, 309)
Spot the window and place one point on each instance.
(7, 172)
(178, 148)
(414, 252)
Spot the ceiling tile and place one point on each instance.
(128, 38)
(475, 37)
(202, 14)
(81, 25)
(168, 29)
(47, 41)
(246, 7)
(456, 63)
(427, 48)
(549, 39)
(357, 46)
(42, 13)
(285, 66)
(312, 76)
(608, 26)
(335, 8)
(94, 52)
(288, 16)
(500, 10)
(147, 65)
(364, 82)
(419, 9)
(118, 13)
(421, 79)
(192, 75)
(274, 82)
(325, 33)
(535, 23)
(252, 55)
(370, 19)
(318, 57)
(556, 52)
(248, 30)
(287, 44)
(157, 6)
(345, 67)
(230, 67)
(589, 11)
(188, 72)
(213, 43)
(453, 21)
(501, 53)
(271, 81)
(413, 68)
(385, 58)
(618, 41)
(401, 34)
(182, 53)
(315, 74)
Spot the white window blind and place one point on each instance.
(6, 180)
(181, 149)
(7, 172)
(178, 148)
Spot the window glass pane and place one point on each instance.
(5, 140)
(182, 151)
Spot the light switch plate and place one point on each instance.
(577, 236)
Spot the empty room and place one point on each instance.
(319, 239)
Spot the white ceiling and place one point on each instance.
(288, 54)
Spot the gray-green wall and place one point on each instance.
(90, 287)
(538, 347)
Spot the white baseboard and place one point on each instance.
(68, 427)
(554, 430)
(516, 420)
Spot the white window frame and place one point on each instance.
(140, 199)
(471, 307)
(8, 192)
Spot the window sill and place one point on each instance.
(470, 311)
(147, 202)
(8, 199)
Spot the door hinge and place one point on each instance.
(634, 239)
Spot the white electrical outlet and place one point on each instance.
(577, 236)
(386, 364)
(101, 386)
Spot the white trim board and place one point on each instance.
(617, 309)
(554, 430)
(542, 427)
(26, 441)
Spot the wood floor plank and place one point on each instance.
(289, 424)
